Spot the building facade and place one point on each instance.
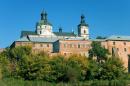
(1, 50)
(118, 46)
(67, 43)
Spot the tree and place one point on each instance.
(67, 69)
(4, 65)
(93, 70)
(18, 52)
(31, 66)
(23, 63)
(20, 62)
(98, 51)
(79, 62)
(111, 69)
(57, 69)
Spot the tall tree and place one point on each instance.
(98, 51)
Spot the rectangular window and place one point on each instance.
(124, 43)
(41, 45)
(113, 43)
(47, 45)
(125, 49)
(78, 45)
(117, 49)
(65, 54)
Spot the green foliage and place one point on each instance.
(111, 69)
(39, 66)
(63, 69)
(57, 67)
(31, 66)
(80, 64)
(18, 52)
(104, 68)
(98, 51)
(21, 82)
(93, 70)
(22, 63)
(4, 66)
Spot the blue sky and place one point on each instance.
(105, 17)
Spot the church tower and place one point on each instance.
(43, 27)
(83, 30)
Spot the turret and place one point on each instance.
(60, 30)
(44, 16)
(43, 27)
(83, 30)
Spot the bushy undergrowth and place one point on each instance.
(22, 63)
(21, 82)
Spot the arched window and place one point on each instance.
(84, 31)
(40, 32)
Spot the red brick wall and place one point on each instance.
(68, 47)
(122, 48)
(47, 47)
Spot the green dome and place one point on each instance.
(43, 22)
(82, 22)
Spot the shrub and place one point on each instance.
(20, 62)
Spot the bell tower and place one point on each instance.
(83, 30)
(44, 27)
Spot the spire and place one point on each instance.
(44, 15)
(60, 29)
(82, 19)
(44, 19)
(82, 22)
